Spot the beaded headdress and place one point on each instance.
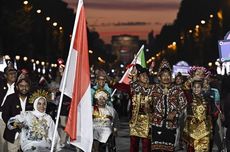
(164, 65)
(199, 73)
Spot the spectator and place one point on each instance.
(7, 87)
(14, 104)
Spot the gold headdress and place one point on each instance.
(164, 65)
(39, 93)
(199, 73)
(100, 93)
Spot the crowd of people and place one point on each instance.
(165, 113)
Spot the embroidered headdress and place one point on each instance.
(164, 65)
(199, 73)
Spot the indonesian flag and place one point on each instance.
(139, 59)
(76, 81)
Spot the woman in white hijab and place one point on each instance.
(37, 127)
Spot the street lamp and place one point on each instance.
(47, 18)
(202, 21)
(43, 63)
(7, 57)
(39, 11)
(25, 2)
(17, 57)
(37, 62)
(210, 64)
(54, 23)
(25, 58)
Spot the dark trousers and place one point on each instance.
(101, 147)
(134, 144)
(215, 135)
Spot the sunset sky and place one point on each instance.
(134, 17)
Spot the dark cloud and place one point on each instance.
(132, 5)
(131, 23)
(137, 23)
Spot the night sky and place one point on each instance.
(134, 17)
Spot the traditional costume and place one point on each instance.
(37, 128)
(167, 100)
(105, 122)
(139, 123)
(197, 131)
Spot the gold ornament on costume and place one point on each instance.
(39, 93)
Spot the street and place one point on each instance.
(122, 139)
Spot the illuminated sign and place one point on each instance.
(182, 67)
(224, 48)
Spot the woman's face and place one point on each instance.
(101, 101)
(41, 106)
(197, 88)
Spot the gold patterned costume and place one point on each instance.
(197, 131)
(139, 123)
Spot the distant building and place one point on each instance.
(125, 47)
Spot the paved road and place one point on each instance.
(122, 141)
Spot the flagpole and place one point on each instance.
(65, 73)
(128, 70)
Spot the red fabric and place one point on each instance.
(129, 66)
(123, 87)
(188, 95)
(146, 145)
(134, 144)
(190, 149)
(82, 79)
(215, 115)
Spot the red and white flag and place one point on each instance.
(138, 59)
(76, 81)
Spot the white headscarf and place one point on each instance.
(36, 112)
